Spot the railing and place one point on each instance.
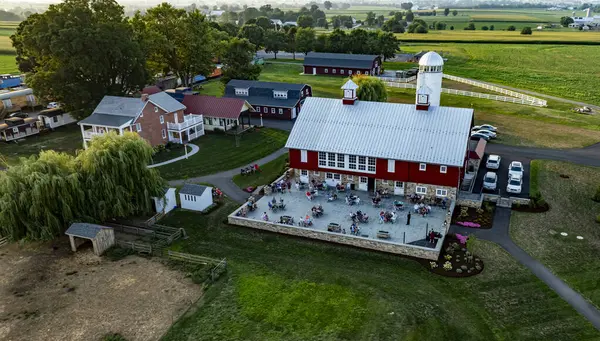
(188, 121)
(3, 241)
(88, 134)
(525, 99)
(397, 80)
(195, 259)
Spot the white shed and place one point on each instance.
(167, 202)
(54, 118)
(195, 197)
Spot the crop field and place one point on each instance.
(563, 71)
(544, 37)
(7, 53)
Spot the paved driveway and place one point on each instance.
(502, 173)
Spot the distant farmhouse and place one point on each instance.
(341, 64)
(586, 22)
(271, 99)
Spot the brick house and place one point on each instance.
(158, 118)
(417, 148)
(218, 112)
(341, 64)
(270, 99)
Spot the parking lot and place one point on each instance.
(502, 174)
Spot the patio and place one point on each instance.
(298, 206)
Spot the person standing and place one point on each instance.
(408, 219)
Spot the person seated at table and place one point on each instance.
(428, 208)
(270, 205)
(281, 201)
(309, 196)
(307, 220)
(332, 196)
(265, 217)
(416, 208)
(382, 217)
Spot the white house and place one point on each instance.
(167, 203)
(195, 197)
(54, 118)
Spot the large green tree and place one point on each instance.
(305, 40)
(305, 21)
(370, 18)
(255, 35)
(238, 61)
(275, 41)
(176, 41)
(370, 89)
(42, 195)
(79, 51)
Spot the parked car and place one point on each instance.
(515, 168)
(489, 133)
(477, 135)
(493, 162)
(514, 184)
(52, 105)
(485, 127)
(490, 180)
(18, 114)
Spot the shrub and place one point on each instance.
(479, 210)
(596, 196)
(511, 28)
(218, 131)
(459, 271)
(464, 267)
(447, 266)
(447, 257)
(478, 267)
(598, 218)
(456, 246)
(158, 148)
(526, 30)
(471, 242)
(433, 265)
(451, 28)
(484, 28)
(450, 250)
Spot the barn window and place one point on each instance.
(391, 166)
(422, 167)
(303, 156)
(272, 110)
(421, 190)
(322, 159)
(241, 92)
(443, 169)
(304, 172)
(440, 192)
(280, 111)
(326, 70)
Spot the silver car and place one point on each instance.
(490, 181)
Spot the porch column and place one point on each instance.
(72, 240)
(180, 138)
(120, 131)
(83, 136)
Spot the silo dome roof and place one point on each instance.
(431, 59)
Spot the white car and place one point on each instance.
(515, 168)
(489, 133)
(493, 162)
(485, 127)
(514, 184)
(52, 105)
(477, 135)
(490, 180)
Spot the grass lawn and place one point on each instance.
(269, 172)
(174, 150)
(219, 153)
(571, 211)
(555, 126)
(460, 35)
(284, 288)
(63, 139)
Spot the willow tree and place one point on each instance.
(116, 178)
(370, 89)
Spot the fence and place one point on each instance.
(397, 80)
(138, 246)
(471, 94)
(220, 265)
(3, 241)
(525, 99)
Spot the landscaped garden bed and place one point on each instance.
(455, 259)
(474, 217)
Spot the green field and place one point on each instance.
(555, 126)
(285, 288)
(7, 53)
(571, 211)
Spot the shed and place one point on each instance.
(54, 118)
(195, 197)
(167, 202)
(102, 237)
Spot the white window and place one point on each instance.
(138, 127)
(399, 184)
(342, 71)
(280, 111)
(422, 167)
(421, 190)
(257, 109)
(329, 175)
(155, 109)
(315, 173)
(303, 156)
(352, 161)
(350, 177)
(280, 94)
(322, 159)
(272, 110)
(371, 164)
(266, 110)
(364, 179)
(162, 119)
(331, 159)
(341, 161)
(241, 92)
(349, 72)
(441, 192)
(333, 70)
(326, 70)
(306, 92)
(391, 166)
(15, 130)
(337, 176)
(304, 172)
(164, 134)
(443, 169)
(367, 73)
(358, 72)
(362, 162)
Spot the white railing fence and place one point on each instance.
(397, 80)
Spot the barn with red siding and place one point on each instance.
(341, 64)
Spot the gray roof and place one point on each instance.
(85, 230)
(261, 93)
(107, 120)
(383, 130)
(348, 60)
(121, 106)
(166, 102)
(193, 189)
(239, 83)
(267, 101)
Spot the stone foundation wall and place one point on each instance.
(520, 201)
(373, 244)
(411, 187)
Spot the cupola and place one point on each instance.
(349, 92)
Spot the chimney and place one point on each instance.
(349, 92)
(144, 97)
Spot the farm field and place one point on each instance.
(7, 53)
(284, 288)
(571, 211)
(496, 36)
(555, 126)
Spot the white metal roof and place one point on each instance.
(431, 58)
(350, 85)
(383, 130)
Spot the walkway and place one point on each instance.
(224, 182)
(195, 149)
(500, 235)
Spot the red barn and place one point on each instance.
(341, 64)
(404, 148)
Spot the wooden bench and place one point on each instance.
(383, 234)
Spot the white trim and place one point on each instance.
(272, 110)
(162, 119)
(257, 108)
(350, 177)
(303, 172)
(441, 192)
(422, 167)
(303, 156)
(443, 169)
(391, 166)
(280, 111)
(421, 190)
(164, 133)
(155, 108)
(326, 70)
(315, 173)
(138, 127)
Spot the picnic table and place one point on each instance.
(383, 234)
(334, 227)
(286, 219)
(398, 205)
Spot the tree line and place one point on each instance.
(42, 196)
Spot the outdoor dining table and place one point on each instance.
(334, 227)
(286, 219)
(398, 204)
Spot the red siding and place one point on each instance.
(308, 69)
(404, 171)
(287, 113)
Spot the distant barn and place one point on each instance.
(341, 64)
